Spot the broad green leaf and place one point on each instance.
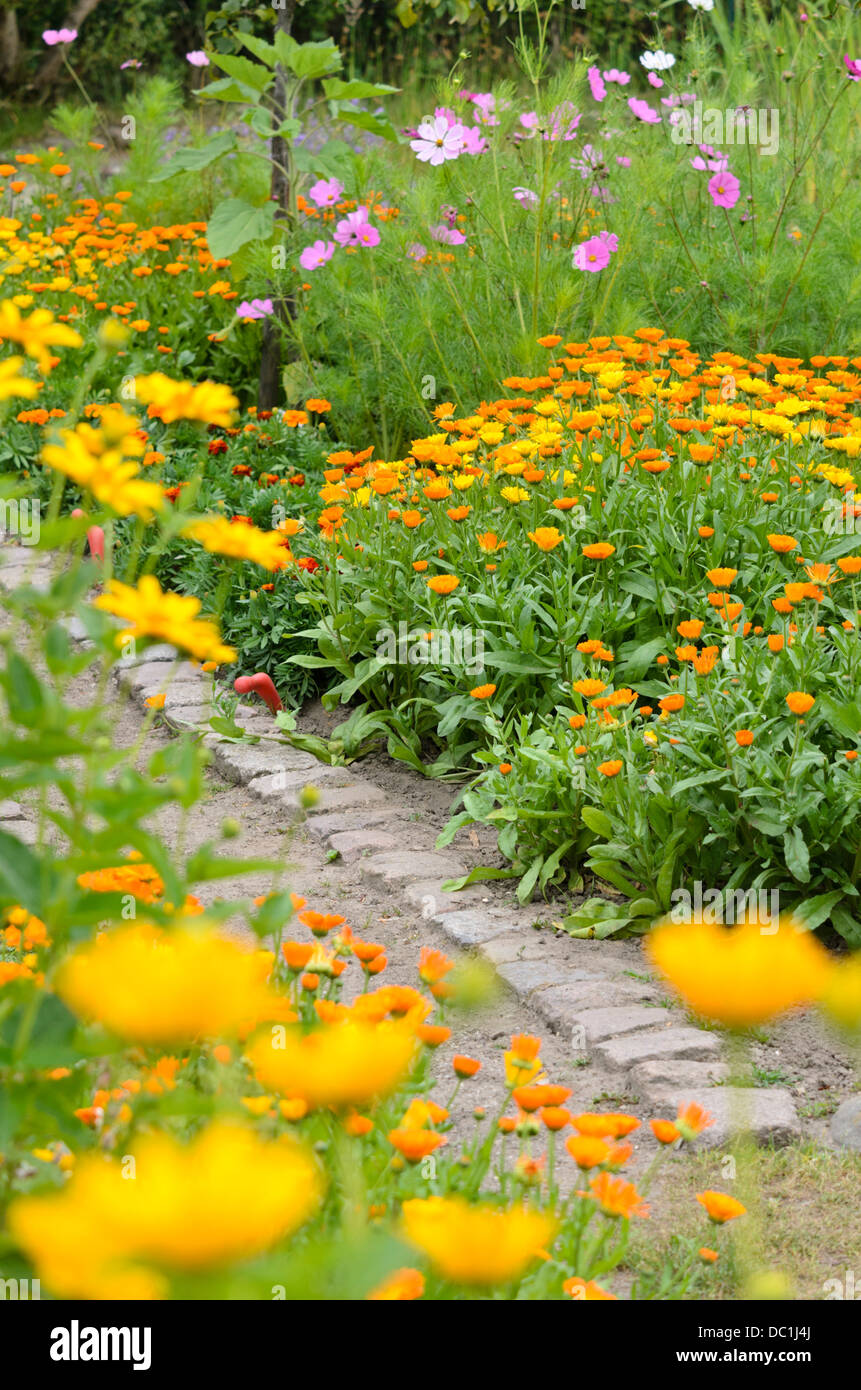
(478, 875)
(196, 157)
(236, 222)
(597, 820)
(244, 71)
(797, 854)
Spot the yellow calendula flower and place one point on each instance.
(240, 541)
(476, 1244)
(163, 987)
(102, 461)
(224, 1197)
(348, 1062)
(208, 402)
(744, 975)
(151, 612)
(35, 334)
(11, 384)
(841, 997)
(514, 494)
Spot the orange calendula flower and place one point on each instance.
(720, 1207)
(546, 537)
(611, 768)
(483, 692)
(589, 686)
(587, 1291)
(800, 702)
(600, 550)
(464, 1066)
(587, 1151)
(610, 1126)
(401, 1286)
(616, 1197)
(665, 1131)
(721, 578)
(443, 583)
(782, 544)
(416, 1144)
(744, 738)
(692, 1119)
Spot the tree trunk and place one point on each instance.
(47, 74)
(269, 388)
(10, 43)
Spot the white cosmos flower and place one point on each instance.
(702, 4)
(437, 141)
(657, 61)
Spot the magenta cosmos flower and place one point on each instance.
(596, 84)
(724, 190)
(592, 255)
(52, 36)
(197, 58)
(436, 141)
(853, 68)
(643, 111)
(255, 309)
(317, 254)
(325, 192)
(356, 230)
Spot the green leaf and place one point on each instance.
(366, 121)
(307, 60)
(242, 70)
(797, 854)
(338, 90)
(848, 926)
(236, 222)
(597, 820)
(20, 875)
(814, 911)
(261, 49)
(197, 157)
(478, 875)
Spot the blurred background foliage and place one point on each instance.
(403, 39)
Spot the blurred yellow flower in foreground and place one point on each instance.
(841, 998)
(476, 1244)
(36, 333)
(344, 1063)
(150, 612)
(159, 987)
(208, 402)
(226, 1196)
(743, 975)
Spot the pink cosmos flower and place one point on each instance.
(724, 190)
(525, 197)
(614, 75)
(592, 255)
(325, 192)
(610, 240)
(256, 309)
(485, 104)
(356, 230)
(654, 80)
(131, 63)
(317, 254)
(473, 140)
(437, 141)
(853, 68)
(596, 85)
(54, 36)
(197, 58)
(449, 236)
(416, 252)
(643, 111)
